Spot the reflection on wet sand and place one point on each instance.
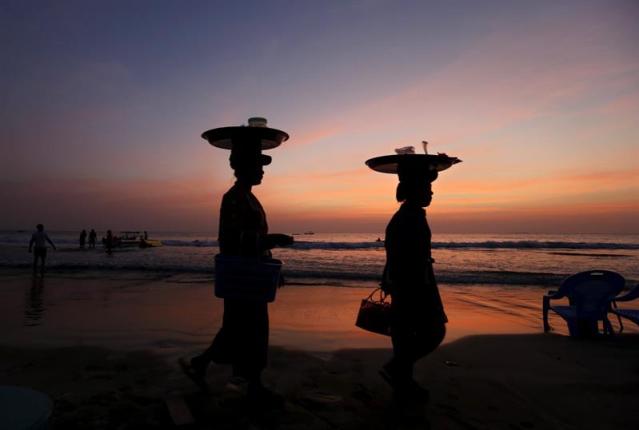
(180, 312)
(33, 303)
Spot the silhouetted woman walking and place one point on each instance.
(243, 339)
(417, 313)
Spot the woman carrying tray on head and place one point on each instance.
(243, 339)
(417, 313)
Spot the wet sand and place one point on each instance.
(105, 350)
(169, 314)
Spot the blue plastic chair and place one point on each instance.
(24, 408)
(589, 296)
(631, 314)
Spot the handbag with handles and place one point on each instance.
(375, 313)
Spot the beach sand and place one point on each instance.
(105, 350)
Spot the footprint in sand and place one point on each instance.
(319, 399)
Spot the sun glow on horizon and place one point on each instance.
(539, 101)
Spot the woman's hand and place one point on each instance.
(282, 239)
(278, 239)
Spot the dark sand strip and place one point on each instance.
(483, 382)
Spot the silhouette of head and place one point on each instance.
(40, 227)
(416, 172)
(246, 145)
(415, 184)
(247, 161)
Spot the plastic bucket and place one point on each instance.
(245, 278)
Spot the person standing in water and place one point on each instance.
(92, 237)
(242, 341)
(108, 242)
(83, 238)
(38, 245)
(418, 320)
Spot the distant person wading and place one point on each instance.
(243, 231)
(83, 238)
(108, 242)
(417, 313)
(38, 245)
(92, 237)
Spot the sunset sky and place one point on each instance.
(102, 104)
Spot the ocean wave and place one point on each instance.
(71, 242)
(526, 244)
(124, 267)
(448, 277)
(491, 277)
(302, 245)
(24, 241)
(196, 243)
(376, 245)
(534, 244)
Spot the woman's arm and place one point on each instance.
(273, 240)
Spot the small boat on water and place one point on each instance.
(150, 243)
(129, 239)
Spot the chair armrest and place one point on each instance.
(545, 301)
(552, 294)
(630, 295)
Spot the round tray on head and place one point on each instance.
(224, 137)
(389, 163)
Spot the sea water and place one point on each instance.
(162, 298)
(356, 259)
